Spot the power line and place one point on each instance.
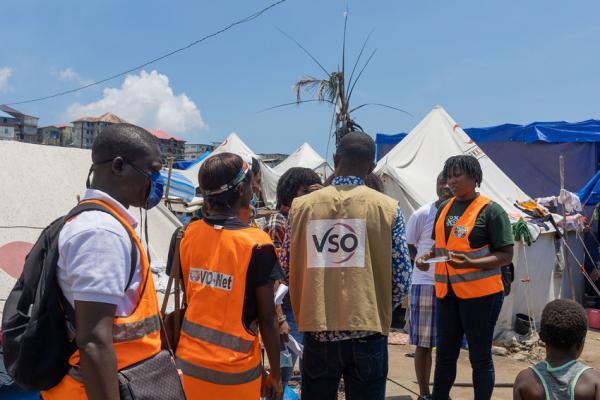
(228, 27)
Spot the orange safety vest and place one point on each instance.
(219, 356)
(467, 283)
(135, 337)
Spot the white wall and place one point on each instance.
(7, 132)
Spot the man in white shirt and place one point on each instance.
(95, 250)
(422, 292)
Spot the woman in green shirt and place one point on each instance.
(457, 315)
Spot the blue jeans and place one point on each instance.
(476, 318)
(286, 373)
(362, 362)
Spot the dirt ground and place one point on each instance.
(401, 371)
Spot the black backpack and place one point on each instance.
(35, 337)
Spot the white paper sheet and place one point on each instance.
(294, 346)
(280, 294)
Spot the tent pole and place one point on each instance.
(564, 215)
(168, 188)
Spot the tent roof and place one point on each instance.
(233, 144)
(304, 156)
(410, 169)
(41, 183)
(549, 132)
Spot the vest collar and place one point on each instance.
(95, 194)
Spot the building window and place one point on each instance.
(5, 130)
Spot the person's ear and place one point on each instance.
(118, 165)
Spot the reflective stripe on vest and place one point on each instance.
(135, 330)
(467, 277)
(219, 377)
(467, 283)
(482, 252)
(216, 337)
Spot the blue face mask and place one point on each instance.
(157, 187)
(253, 204)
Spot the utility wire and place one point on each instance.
(133, 69)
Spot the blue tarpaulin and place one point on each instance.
(190, 163)
(385, 143)
(529, 154)
(590, 194)
(181, 187)
(548, 132)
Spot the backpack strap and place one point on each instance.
(82, 207)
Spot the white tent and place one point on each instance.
(420, 157)
(41, 183)
(305, 156)
(233, 144)
(409, 173)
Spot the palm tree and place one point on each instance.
(334, 89)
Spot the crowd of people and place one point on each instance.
(344, 252)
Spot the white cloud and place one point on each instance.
(68, 74)
(5, 74)
(146, 100)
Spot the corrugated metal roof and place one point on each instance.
(163, 135)
(5, 115)
(106, 117)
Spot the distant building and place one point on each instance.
(7, 126)
(25, 128)
(273, 159)
(86, 129)
(170, 145)
(56, 135)
(193, 151)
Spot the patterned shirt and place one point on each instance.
(401, 265)
(276, 226)
(276, 230)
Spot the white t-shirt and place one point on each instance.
(418, 233)
(95, 258)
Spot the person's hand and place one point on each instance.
(274, 388)
(421, 264)
(284, 332)
(314, 187)
(458, 260)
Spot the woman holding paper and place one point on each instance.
(473, 240)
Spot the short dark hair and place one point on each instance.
(374, 182)
(123, 140)
(291, 181)
(356, 147)
(219, 170)
(564, 324)
(467, 164)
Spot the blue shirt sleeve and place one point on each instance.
(401, 265)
